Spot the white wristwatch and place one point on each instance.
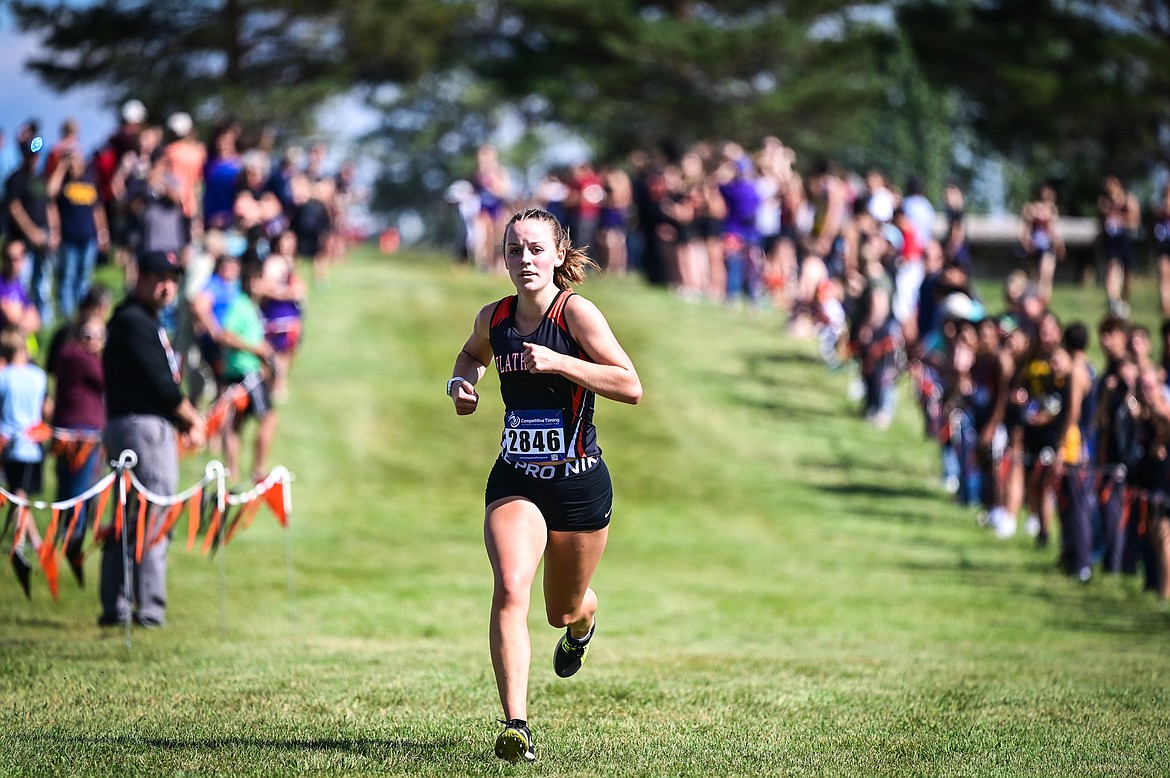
(454, 382)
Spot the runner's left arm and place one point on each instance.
(610, 374)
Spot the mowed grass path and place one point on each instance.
(786, 590)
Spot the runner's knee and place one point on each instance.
(512, 591)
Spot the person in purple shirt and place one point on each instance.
(741, 239)
(16, 307)
(219, 180)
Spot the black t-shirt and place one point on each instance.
(310, 223)
(32, 192)
(140, 365)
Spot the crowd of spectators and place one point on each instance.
(879, 276)
(1026, 424)
(238, 215)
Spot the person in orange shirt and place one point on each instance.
(187, 156)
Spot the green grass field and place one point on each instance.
(786, 590)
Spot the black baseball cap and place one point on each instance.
(160, 262)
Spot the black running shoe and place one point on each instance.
(23, 569)
(76, 559)
(570, 652)
(515, 743)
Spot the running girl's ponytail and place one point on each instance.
(577, 262)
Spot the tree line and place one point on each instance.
(1056, 91)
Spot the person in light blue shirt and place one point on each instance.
(23, 388)
(209, 307)
(23, 392)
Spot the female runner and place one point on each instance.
(549, 493)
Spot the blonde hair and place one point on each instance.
(577, 262)
(12, 343)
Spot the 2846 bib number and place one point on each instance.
(533, 436)
(534, 441)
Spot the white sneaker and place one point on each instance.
(1033, 526)
(951, 485)
(1005, 525)
(1119, 308)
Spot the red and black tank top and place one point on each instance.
(533, 401)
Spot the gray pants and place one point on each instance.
(152, 438)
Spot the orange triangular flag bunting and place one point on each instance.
(81, 451)
(193, 516)
(274, 497)
(239, 399)
(250, 511)
(140, 530)
(39, 432)
(212, 530)
(19, 539)
(102, 499)
(235, 523)
(50, 535)
(49, 565)
(243, 517)
(73, 521)
(170, 518)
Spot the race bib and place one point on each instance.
(533, 436)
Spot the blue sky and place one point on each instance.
(23, 96)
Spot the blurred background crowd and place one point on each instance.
(1030, 430)
(249, 228)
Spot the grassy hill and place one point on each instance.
(786, 590)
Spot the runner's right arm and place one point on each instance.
(471, 364)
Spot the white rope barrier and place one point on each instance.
(161, 522)
(214, 471)
(125, 460)
(62, 505)
(279, 474)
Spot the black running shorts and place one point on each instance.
(570, 501)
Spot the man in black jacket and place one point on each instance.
(146, 406)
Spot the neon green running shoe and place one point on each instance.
(515, 743)
(570, 652)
